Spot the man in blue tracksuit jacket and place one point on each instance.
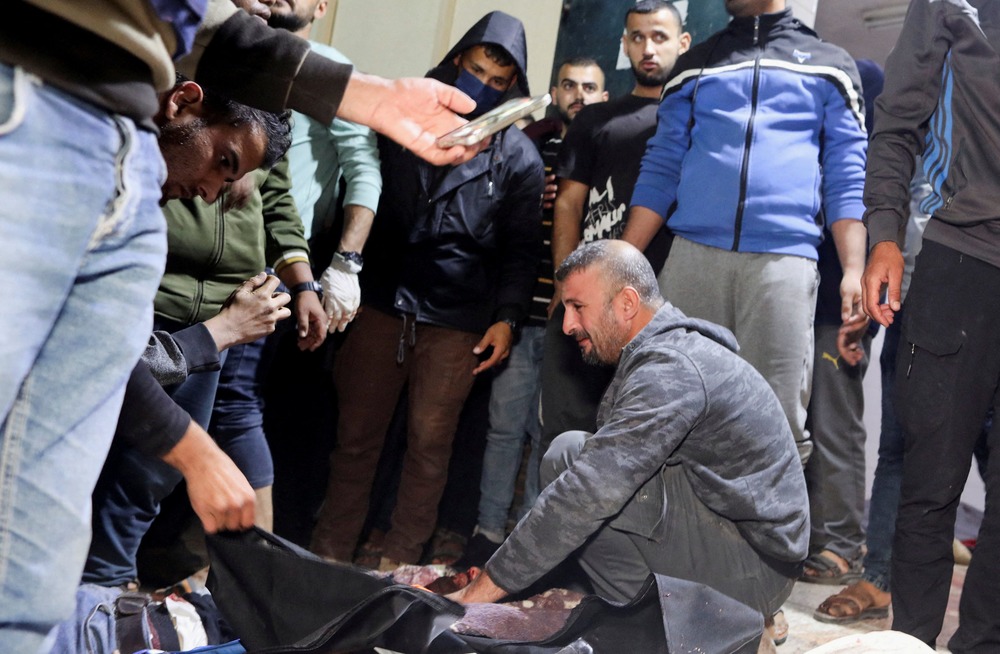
(759, 140)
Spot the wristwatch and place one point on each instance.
(351, 262)
(514, 325)
(307, 286)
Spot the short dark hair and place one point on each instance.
(276, 127)
(220, 109)
(580, 61)
(620, 266)
(653, 6)
(498, 54)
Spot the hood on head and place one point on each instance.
(497, 28)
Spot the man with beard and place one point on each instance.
(80, 230)
(212, 244)
(760, 141)
(692, 472)
(452, 262)
(598, 166)
(514, 395)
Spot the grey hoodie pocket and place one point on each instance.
(645, 512)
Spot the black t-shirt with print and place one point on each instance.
(603, 149)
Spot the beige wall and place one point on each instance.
(404, 38)
(804, 10)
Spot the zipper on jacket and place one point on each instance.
(401, 348)
(913, 355)
(196, 300)
(745, 169)
(220, 235)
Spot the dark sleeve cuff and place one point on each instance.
(319, 87)
(272, 69)
(884, 226)
(150, 421)
(513, 312)
(199, 348)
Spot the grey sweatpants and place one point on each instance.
(835, 474)
(666, 529)
(768, 301)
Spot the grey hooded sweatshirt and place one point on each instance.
(680, 396)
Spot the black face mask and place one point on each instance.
(486, 97)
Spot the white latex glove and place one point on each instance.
(341, 297)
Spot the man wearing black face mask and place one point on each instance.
(450, 265)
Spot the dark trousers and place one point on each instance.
(381, 355)
(666, 528)
(947, 375)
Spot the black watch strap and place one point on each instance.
(307, 286)
(351, 262)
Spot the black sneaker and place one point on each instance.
(478, 551)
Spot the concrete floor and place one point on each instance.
(805, 633)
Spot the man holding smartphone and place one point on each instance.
(450, 268)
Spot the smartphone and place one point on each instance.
(493, 121)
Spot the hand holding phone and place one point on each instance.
(493, 121)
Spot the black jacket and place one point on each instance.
(457, 246)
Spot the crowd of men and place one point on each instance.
(669, 292)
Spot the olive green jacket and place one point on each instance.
(211, 251)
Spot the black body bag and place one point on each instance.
(279, 598)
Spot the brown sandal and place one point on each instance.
(822, 569)
(853, 603)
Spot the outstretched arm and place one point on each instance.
(414, 112)
(273, 70)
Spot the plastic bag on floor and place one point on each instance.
(281, 599)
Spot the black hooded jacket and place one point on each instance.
(457, 245)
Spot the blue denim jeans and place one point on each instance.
(238, 415)
(884, 501)
(82, 249)
(132, 486)
(513, 413)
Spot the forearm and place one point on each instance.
(641, 226)
(149, 420)
(567, 219)
(295, 273)
(566, 235)
(357, 225)
(219, 492)
(188, 453)
(849, 237)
